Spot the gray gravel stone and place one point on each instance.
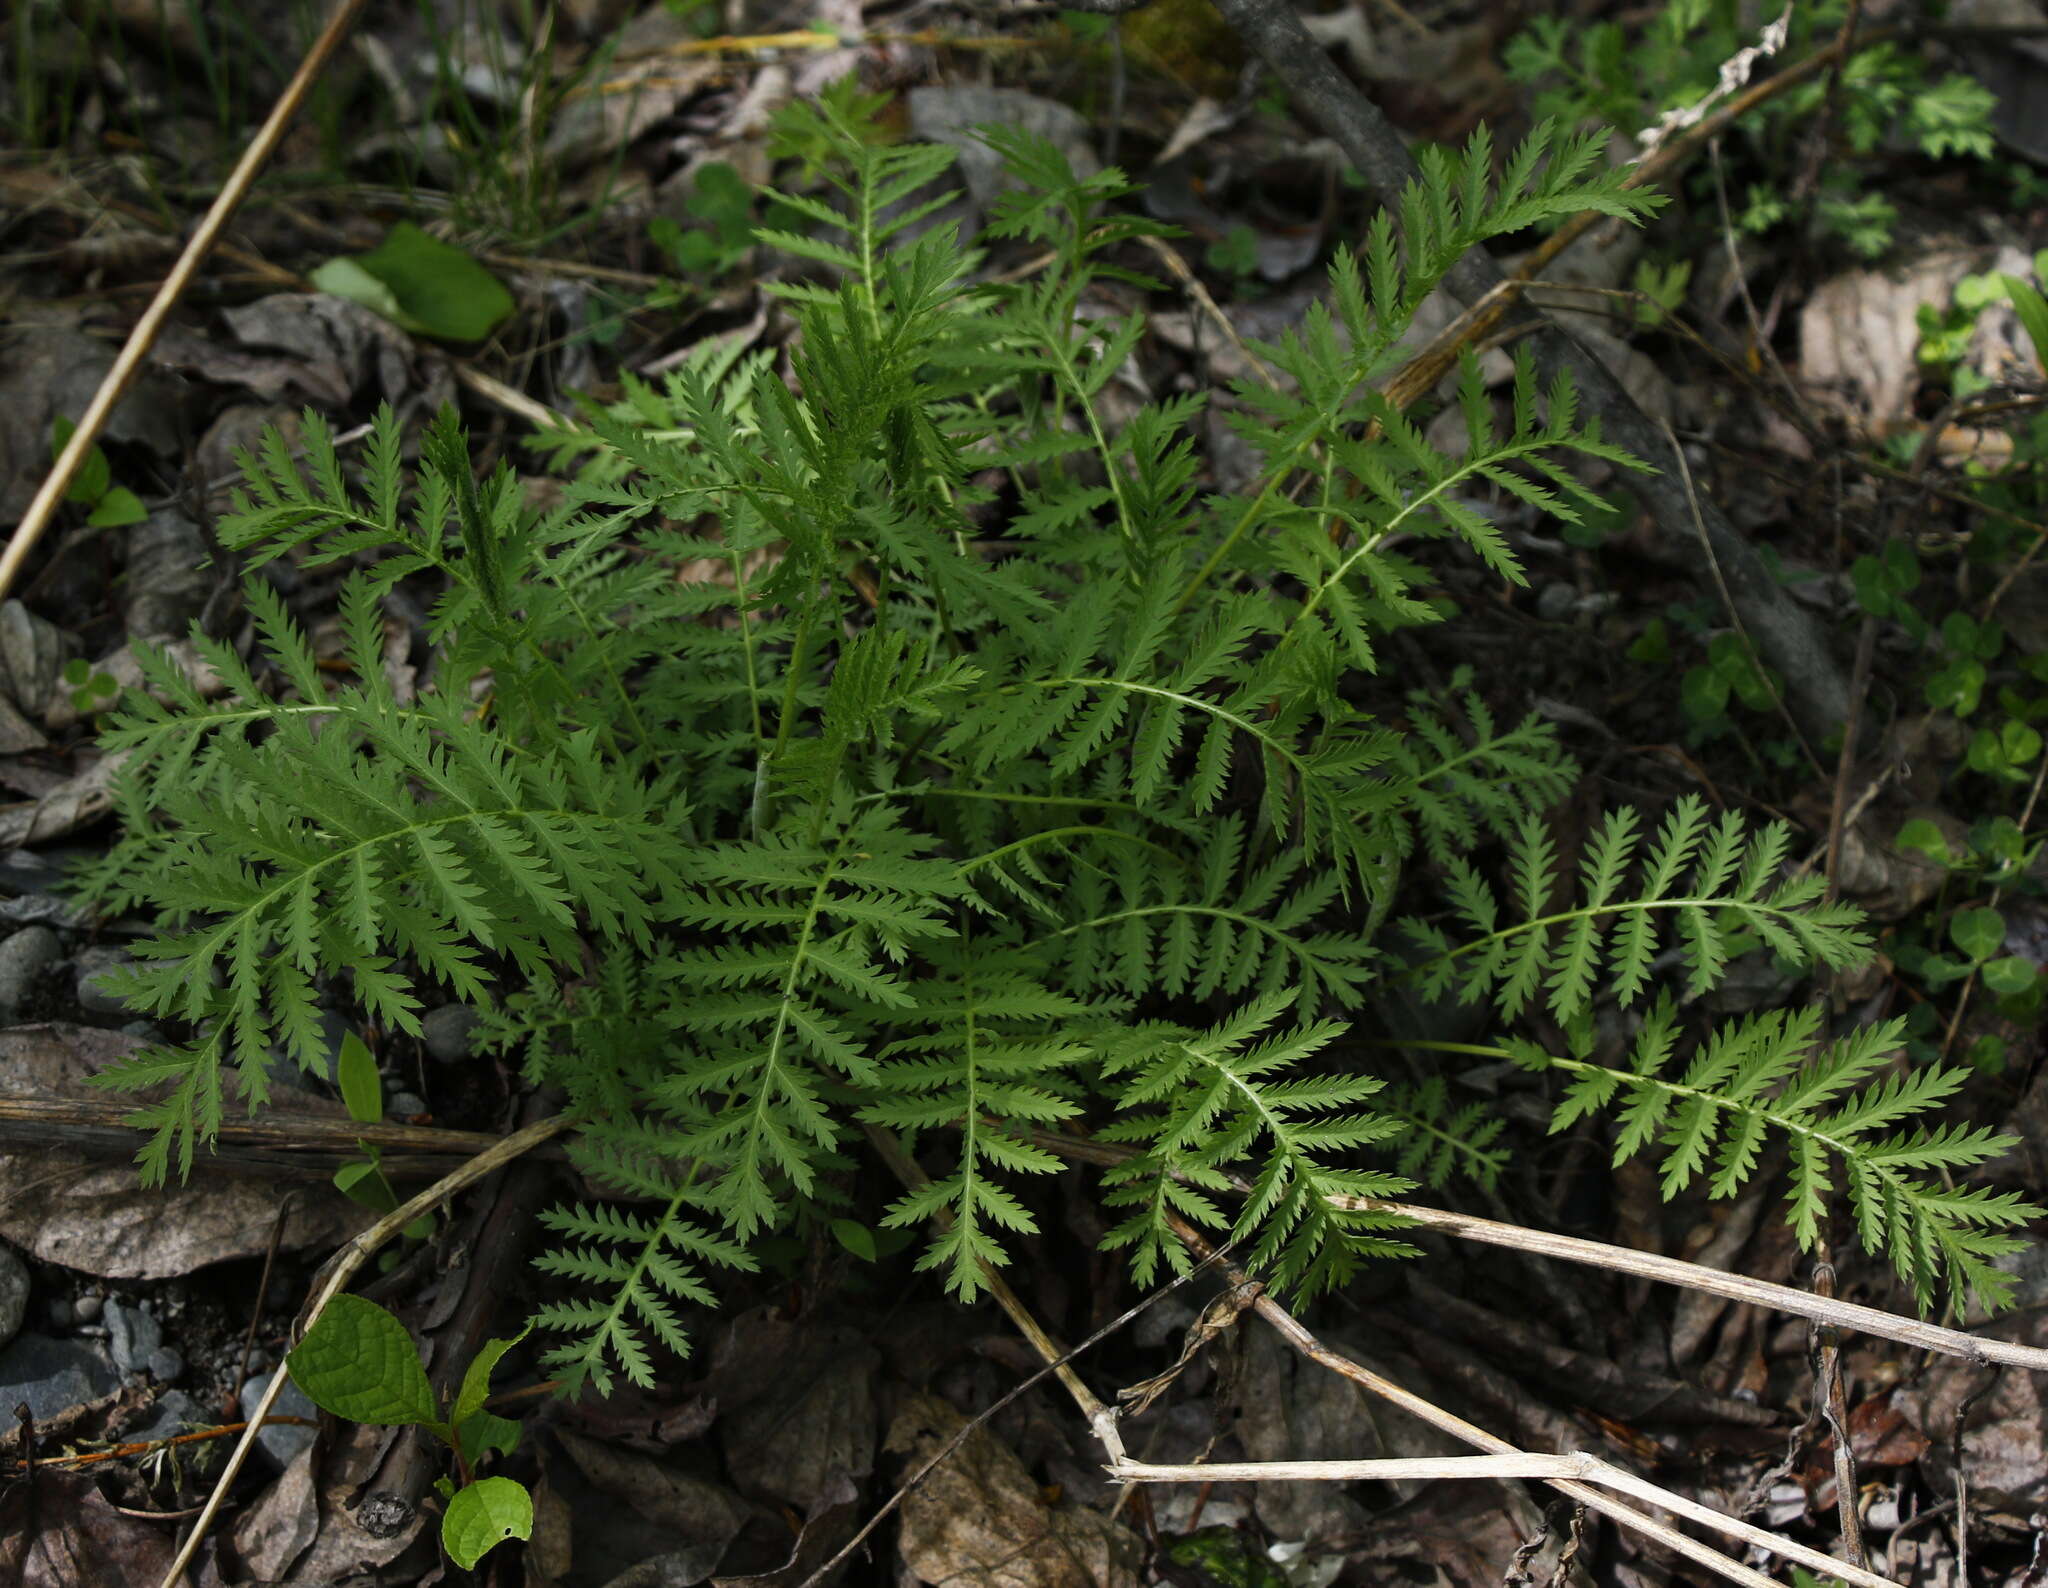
(43, 909)
(52, 1375)
(403, 1105)
(446, 1032)
(13, 1293)
(93, 963)
(62, 1316)
(86, 1309)
(131, 1335)
(136, 1340)
(1557, 602)
(173, 1412)
(24, 956)
(28, 871)
(281, 1443)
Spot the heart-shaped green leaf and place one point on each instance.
(358, 1362)
(1978, 933)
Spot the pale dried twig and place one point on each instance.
(1576, 1488)
(1650, 1265)
(1578, 1465)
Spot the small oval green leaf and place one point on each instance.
(362, 1089)
(438, 288)
(483, 1515)
(2009, 976)
(1923, 837)
(857, 1238)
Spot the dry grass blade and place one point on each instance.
(1578, 1466)
(1576, 1488)
(1649, 1265)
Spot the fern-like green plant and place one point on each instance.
(882, 740)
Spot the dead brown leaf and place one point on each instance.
(1859, 339)
(978, 1521)
(2002, 1430)
(796, 1405)
(60, 1532)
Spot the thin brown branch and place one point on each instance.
(1826, 1348)
(305, 1146)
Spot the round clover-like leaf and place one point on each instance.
(358, 1362)
(1924, 838)
(2010, 976)
(1978, 933)
(486, 1513)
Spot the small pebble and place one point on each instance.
(385, 1515)
(52, 1376)
(13, 1293)
(44, 909)
(86, 1309)
(137, 1342)
(403, 1105)
(446, 1032)
(24, 956)
(259, 1359)
(62, 1314)
(93, 963)
(283, 1441)
(1557, 602)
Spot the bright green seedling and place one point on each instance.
(1661, 290)
(1980, 934)
(108, 506)
(1731, 676)
(1958, 686)
(363, 1180)
(1235, 253)
(92, 691)
(1883, 583)
(725, 205)
(418, 282)
(358, 1362)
